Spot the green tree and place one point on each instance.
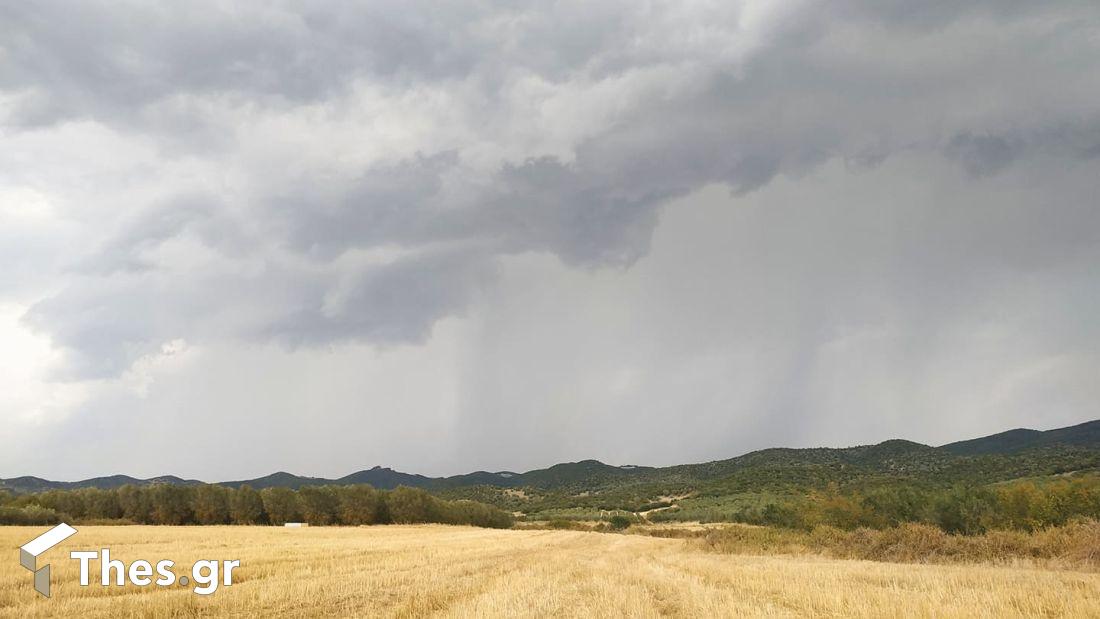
(136, 504)
(893, 505)
(210, 504)
(67, 503)
(320, 505)
(785, 516)
(281, 505)
(103, 504)
(361, 504)
(171, 504)
(246, 506)
(967, 510)
(411, 505)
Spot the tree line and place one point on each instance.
(209, 504)
(968, 510)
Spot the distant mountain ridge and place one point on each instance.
(894, 455)
(1081, 435)
(37, 484)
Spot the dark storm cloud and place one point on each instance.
(573, 125)
(395, 202)
(391, 304)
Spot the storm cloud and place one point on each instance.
(687, 226)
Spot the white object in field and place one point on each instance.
(295, 525)
(28, 554)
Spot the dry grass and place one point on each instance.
(1074, 546)
(409, 571)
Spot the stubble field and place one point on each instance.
(412, 571)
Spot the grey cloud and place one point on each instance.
(936, 14)
(690, 96)
(393, 304)
(395, 203)
(982, 154)
(106, 323)
(106, 61)
(111, 321)
(203, 215)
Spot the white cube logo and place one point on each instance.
(28, 554)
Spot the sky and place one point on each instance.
(242, 237)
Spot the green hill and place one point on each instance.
(1085, 435)
(591, 484)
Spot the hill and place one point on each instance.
(27, 484)
(1013, 441)
(379, 477)
(1002, 456)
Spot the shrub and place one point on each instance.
(1075, 544)
(619, 522)
(31, 515)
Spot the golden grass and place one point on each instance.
(1073, 546)
(411, 571)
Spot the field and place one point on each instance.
(410, 571)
